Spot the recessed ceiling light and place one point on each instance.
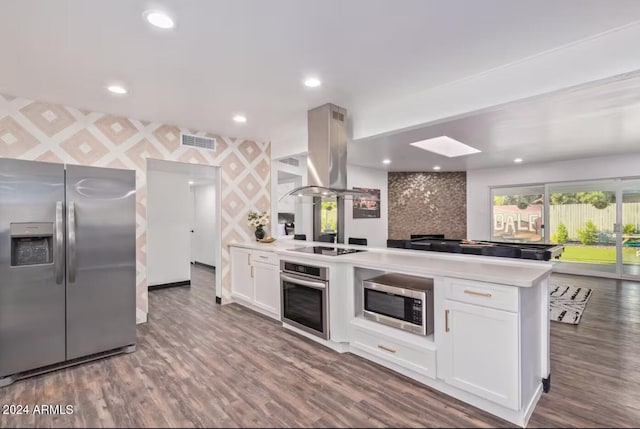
(240, 119)
(517, 160)
(386, 161)
(117, 89)
(312, 82)
(436, 167)
(159, 19)
(446, 146)
(191, 182)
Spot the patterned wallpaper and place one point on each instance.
(427, 203)
(34, 130)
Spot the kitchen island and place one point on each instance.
(490, 341)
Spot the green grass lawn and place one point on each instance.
(599, 254)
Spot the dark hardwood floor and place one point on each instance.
(201, 364)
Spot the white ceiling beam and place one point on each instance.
(604, 55)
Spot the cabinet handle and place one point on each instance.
(248, 258)
(386, 349)
(264, 257)
(470, 292)
(446, 320)
(252, 271)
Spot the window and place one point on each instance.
(329, 215)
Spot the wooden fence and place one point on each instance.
(575, 216)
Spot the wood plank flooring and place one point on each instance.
(199, 364)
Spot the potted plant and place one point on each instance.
(258, 221)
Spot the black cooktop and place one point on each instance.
(326, 250)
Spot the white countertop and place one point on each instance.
(513, 272)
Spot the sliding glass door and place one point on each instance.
(597, 221)
(518, 214)
(630, 228)
(583, 217)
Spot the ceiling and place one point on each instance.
(596, 119)
(250, 57)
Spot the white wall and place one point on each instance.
(303, 211)
(479, 182)
(287, 205)
(169, 222)
(204, 239)
(375, 230)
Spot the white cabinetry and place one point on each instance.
(480, 352)
(394, 348)
(255, 280)
(267, 287)
(241, 279)
(480, 340)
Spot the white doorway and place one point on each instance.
(183, 224)
(204, 240)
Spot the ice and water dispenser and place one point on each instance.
(31, 244)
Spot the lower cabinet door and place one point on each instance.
(241, 281)
(480, 349)
(266, 279)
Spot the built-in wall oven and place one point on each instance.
(401, 301)
(305, 293)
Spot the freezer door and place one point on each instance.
(32, 288)
(101, 260)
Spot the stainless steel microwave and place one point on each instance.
(401, 301)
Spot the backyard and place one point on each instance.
(599, 254)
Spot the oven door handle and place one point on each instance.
(298, 280)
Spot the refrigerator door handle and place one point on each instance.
(71, 242)
(58, 249)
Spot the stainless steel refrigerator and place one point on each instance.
(67, 264)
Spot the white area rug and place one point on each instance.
(568, 302)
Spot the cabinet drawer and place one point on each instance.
(264, 257)
(484, 294)
(415, 358)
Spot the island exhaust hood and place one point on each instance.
(327, 155)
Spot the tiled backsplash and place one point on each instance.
(34, 130)
(427, 203)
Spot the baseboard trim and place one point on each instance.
(166, 285)
(202, 264)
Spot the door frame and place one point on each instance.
(218, 221)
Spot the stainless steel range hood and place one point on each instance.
(327, 155)
(327, 166)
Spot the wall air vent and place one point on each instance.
(197, 141)
(338, 116)
(291, 161)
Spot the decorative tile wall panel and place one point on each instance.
(35, 130)
(427, 203)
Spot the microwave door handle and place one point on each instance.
(297, 280)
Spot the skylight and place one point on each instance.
(446, 146)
